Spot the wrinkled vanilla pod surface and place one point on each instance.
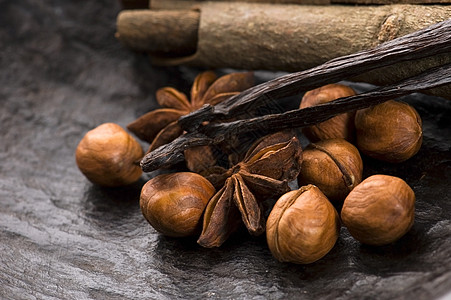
(62, 74)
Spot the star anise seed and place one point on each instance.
(268, 166)
(159, 127)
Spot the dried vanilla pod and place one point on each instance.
(203, 133)
(268, 166)
(159, 127)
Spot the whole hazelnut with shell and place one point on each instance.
(390, 131)
(302, 227)
(380, 210)
(340, 126)
(334, 166)
(109, 156)
(174, 203)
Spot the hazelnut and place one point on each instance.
(302, 227)
(390, 131)
(340, 126)
(334, 166)
(380, 210)
(173, 203)
(107, 155)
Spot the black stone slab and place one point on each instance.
(63, 73)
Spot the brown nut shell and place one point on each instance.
(391, 131)
(302, 227)
(341, 126)
(173, 203)
(107, 155)
(334, 166)
(380, 210)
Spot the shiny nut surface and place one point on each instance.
(302, 227)
(173, 203)
(334, 166)
(391, 131)
(380, 210)
(107, 156)
(341, 126)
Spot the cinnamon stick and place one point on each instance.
(318, 33)
(172, 33)
(257, 36)
(187, 4)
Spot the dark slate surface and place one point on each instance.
(63, 73)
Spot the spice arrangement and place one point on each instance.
(64, 237)
(303, 224)
(298, 197)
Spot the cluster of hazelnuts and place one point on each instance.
(304, 224)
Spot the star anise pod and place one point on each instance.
(159, 127)
(265, 171)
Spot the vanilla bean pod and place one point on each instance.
(216, 133)
(433, 40)
(316, 114)
(172, 153)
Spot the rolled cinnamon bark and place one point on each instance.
(290, 38)
(164, 33)
(186, 4)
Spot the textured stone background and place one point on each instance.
(63, 73)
